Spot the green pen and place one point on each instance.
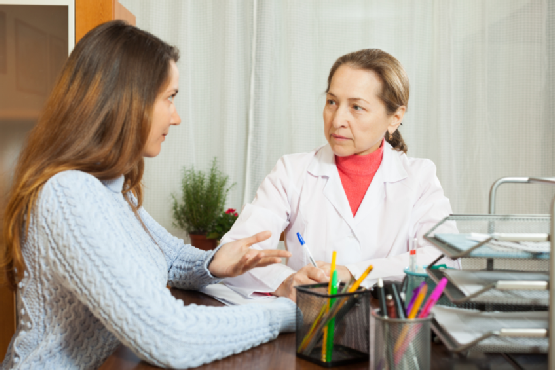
(331, 324)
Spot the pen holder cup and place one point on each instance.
(399, 343)
(414, 279)
(347, 342)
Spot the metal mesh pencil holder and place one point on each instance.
(399, 343)
(351, 313)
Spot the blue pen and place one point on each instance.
(303, 244)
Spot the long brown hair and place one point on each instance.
(395, 83)
(96, 120)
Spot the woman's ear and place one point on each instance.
(396, 119)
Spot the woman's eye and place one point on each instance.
(330, 102)
(357, 107)
(171, 97)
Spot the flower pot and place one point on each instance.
(200, 242)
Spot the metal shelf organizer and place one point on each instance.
(518, 292)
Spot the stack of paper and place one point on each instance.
(230, 298)
(465, 326)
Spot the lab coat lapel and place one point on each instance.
(324, 166)
(390, 170)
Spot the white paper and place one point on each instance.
(470, 282)
(228, 297)
(465, 326)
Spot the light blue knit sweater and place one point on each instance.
(96, 279)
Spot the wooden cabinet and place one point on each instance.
(91, 13)
(88, 14)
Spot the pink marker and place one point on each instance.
(434, 297)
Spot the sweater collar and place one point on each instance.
(115, 185)
(361, 164)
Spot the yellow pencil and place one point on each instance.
(332, 268)
(325, 339)
(357, 283)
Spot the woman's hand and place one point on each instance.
(236, 258)
(306, 275)
(343, 273)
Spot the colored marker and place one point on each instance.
(434, 297)
(414, 295)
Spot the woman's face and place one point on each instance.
(164, 115)
(355, 119)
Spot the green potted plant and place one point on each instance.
(201, 204)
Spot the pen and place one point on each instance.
(414, 295)
(397, 302)
(403, 297)
(434, 297)
(381, 298)
(391, 313)
(303, 244)
(383, 312)
(418, 302)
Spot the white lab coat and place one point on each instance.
(303, 194)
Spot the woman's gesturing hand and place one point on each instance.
(306, 275)
(236, 258)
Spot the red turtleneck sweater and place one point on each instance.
(356, 173)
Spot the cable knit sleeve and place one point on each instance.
(88, 255)
(183, 260)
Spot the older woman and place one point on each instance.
(359, 195)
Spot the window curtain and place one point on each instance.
(253, 75)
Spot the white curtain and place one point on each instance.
(254, 72)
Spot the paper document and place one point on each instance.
(470, 282)
(464, 242)
(536, 244)
(230, 298)
(465, 326)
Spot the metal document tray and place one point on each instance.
(486, 287)
(457, 245)
(494, 332)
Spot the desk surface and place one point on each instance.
(280, 353)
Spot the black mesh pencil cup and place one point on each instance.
(350, 312)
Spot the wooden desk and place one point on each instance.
(280, 354)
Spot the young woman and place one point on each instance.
(89, 264)
(359, 195)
